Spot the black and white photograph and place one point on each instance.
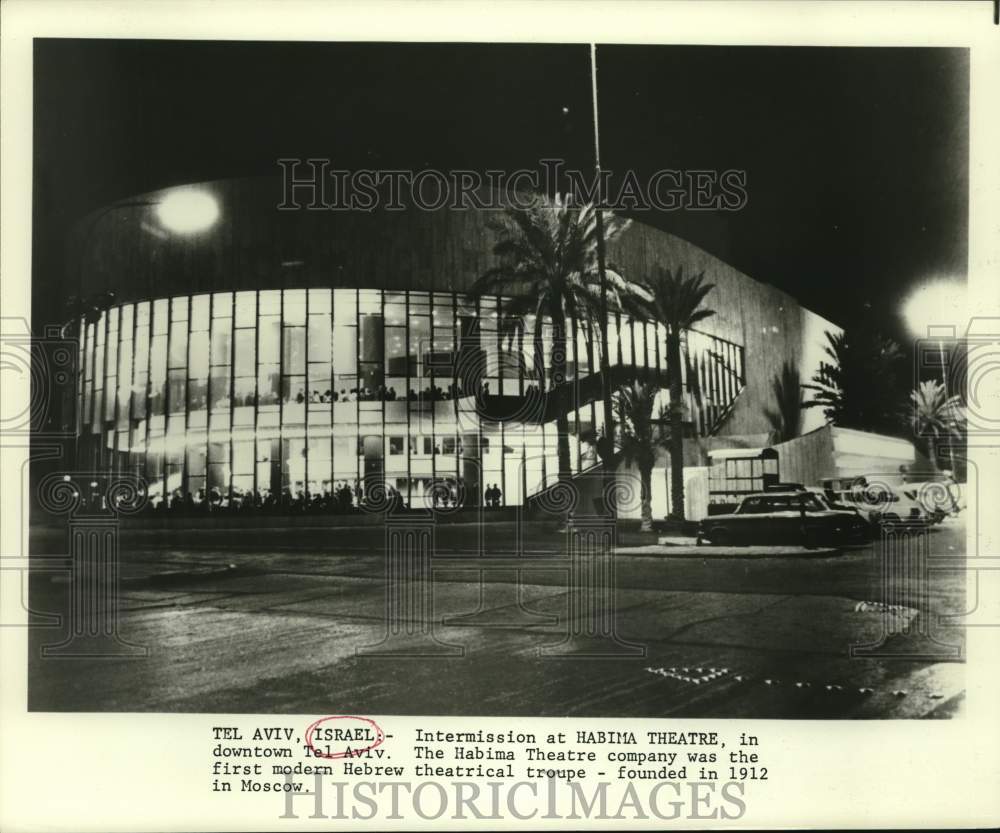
(437, 416)
(501, 379)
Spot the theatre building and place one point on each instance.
(253, 353)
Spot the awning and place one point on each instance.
(734, 453)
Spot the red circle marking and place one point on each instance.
(379, 736)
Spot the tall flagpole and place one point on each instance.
(609, 426)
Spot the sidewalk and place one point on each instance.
(683, 547)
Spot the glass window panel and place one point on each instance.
(294, 312)
(199, 313)
(242, 487)
(156, 425)
(246, 309)
(127, 313)
(319, 449)
(320, 390)
(222, 332)
(268, 384)
(371, 380)
(196, 489)
(161, 309)
(319, 338)
(395, 314)
(179, 309)
(125, 364)
(320, 301)
(345, 457)
(124, 399)
(395, 411)
(243, 452)
(269, 343)
(244, 391)
(109, 399)
(222, 305)
(345, 409)
(395, 351)
(178, 345)
(218, 452)
(111, 361)
(198, 356)
(345, 350)
(419, 345)
(219, 388)
(218, 482)
(263, 479)
(370, 302)
(443, 312)
(158, 373)
(293, 390)
(345, 307)
(294, 359)
(293, 465)
(243, 356)
(269, 302)
(198, 393)
(177, 391)
(614, 346)
(371, 338)
(141, 347)
(625, 345)
(243, 416)
(139, 396)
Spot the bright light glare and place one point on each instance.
(937, 304)
(188, 211)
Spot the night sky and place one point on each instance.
(856, 159)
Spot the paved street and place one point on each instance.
(271, 624)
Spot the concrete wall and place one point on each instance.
(842, 453)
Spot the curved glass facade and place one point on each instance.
(282, 395)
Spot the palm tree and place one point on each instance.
(934, 415)
(860, 386)
(677, 304)
(786, 418)
(639, 436)
(547, 265)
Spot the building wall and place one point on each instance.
(768, 322)
(843, 454)
(254, 246)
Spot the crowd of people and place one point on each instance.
(341, 498)
(198, 400)
(381, 393)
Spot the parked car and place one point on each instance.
(886, 507)
(788, 517)
(938, 498)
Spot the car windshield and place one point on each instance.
(759, 504)
(875, 498)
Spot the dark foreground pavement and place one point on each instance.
(289, 628)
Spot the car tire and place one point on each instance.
(720, 537)
(891, 521)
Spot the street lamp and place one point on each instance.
(187, 210)
(935, 310)
(609, 425)
(182, 211)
